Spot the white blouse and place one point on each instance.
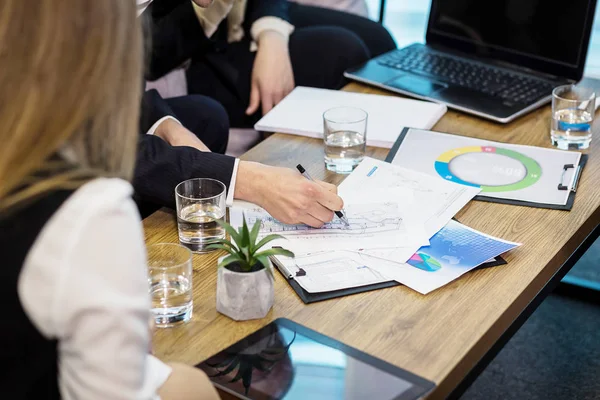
(84, 283)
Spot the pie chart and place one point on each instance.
(424, 262)
(490, 168)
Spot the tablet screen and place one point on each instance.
(285, 360)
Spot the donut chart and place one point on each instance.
(529, 171)
(424, 262)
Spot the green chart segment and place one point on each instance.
(533, 169)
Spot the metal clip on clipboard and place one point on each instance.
(575, 179)
(286, 272)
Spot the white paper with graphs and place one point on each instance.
(393, 214)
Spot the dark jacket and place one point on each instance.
(176, 34)
(160, 166)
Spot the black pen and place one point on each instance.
(304, 173)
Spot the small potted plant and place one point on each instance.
(245, 276)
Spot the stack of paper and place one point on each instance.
(393, 213)
(301, 113)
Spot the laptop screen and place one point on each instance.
(545, 31)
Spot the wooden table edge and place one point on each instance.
(470, 367)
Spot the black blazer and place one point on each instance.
(160, 166)
(176, 34)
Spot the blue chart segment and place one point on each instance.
(516, 170)
(424, 262)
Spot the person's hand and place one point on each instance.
(286, 194)
(176, 134)
(272, 75)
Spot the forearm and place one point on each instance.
(250, 182)
(171, 131)
(187, 383)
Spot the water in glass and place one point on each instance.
(344, 150)
(198, 224)
(571, 129)
(171, 298)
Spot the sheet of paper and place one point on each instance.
(500, 170)
(301, 113)
(400, 254)
(429, 200)
(454, 250)
(327, 271)
(371, 225)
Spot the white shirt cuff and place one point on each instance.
(269, 24)
(142, 5)
(229, 200)
(160, 121)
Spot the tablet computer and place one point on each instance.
(285, 360)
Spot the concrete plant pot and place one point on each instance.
(244, 295)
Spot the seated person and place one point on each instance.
(170, 156)
(192, 126)
(71, 243)
(295, 45)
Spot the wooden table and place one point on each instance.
(447, 336)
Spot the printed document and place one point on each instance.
(430, 200)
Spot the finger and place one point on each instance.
(330, 200)
(328, 186)
(311, 221)
(254, 99)
(320, 212)
(267, 102)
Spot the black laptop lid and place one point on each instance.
(549, 36)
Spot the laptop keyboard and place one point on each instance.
(486, 79)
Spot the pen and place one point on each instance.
(340, 214)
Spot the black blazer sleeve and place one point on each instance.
(256, 9)
(160, 167)
(173, 34)
(154, 107)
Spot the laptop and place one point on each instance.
(497, 59)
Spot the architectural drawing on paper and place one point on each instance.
(363, 218)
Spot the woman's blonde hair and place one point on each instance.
(70, 82)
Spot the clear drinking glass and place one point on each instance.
(573, 109)
(170, 278)
(200, 203)
(345, 135)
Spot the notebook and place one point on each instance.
(301, 113)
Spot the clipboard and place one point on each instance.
(308, 298)
(567, 207)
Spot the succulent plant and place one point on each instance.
(243, 247)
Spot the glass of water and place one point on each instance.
(573, 110)
(200, 203)
(170, 278)
(345, 135)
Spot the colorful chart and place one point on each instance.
(424, 262)
(504, 170)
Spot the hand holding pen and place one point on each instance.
(340, 214)
(287, 195)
